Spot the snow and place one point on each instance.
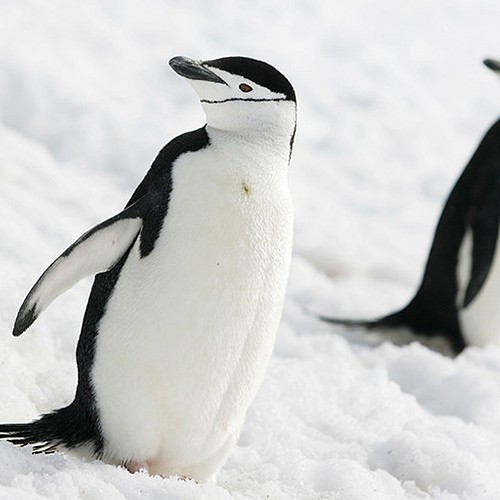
(393, 100)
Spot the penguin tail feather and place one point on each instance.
(63, 428)
(391, 321)
(24, 434)
(30, 433)
(417, 316)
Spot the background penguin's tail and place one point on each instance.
(390, 321)
(420, 316)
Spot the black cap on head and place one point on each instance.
(258, 71)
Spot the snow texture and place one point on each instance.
(393, 100)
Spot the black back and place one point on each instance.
(78, 423)
(156, 184)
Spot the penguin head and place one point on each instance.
(242, 95)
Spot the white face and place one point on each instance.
(245, 106)
(235, 88)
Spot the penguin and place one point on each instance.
(459, 295)
(189, 287)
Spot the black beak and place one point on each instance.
(492, 64)
(194, 70)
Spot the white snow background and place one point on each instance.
(393, 100)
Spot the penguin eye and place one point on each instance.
(244, 87)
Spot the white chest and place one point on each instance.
(189, 329)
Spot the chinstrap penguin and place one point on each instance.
(459, 295)
(182, 317)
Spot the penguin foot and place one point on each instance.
(137, 466)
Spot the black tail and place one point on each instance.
(391, 321)
(419, 316)
(32, 433)
(66, 427)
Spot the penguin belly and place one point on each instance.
(188, 330)
(480, 320)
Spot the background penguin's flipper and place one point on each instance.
(484, 223)
(99, 249)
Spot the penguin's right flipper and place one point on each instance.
(484, 223)
(97, 250)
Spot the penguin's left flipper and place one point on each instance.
(484, 221)
(97, 250)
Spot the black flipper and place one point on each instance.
(99, 249)
(484, 223)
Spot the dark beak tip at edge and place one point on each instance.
(492, 64)
(193, 70)
(179, 61)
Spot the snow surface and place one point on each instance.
(393, 99)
